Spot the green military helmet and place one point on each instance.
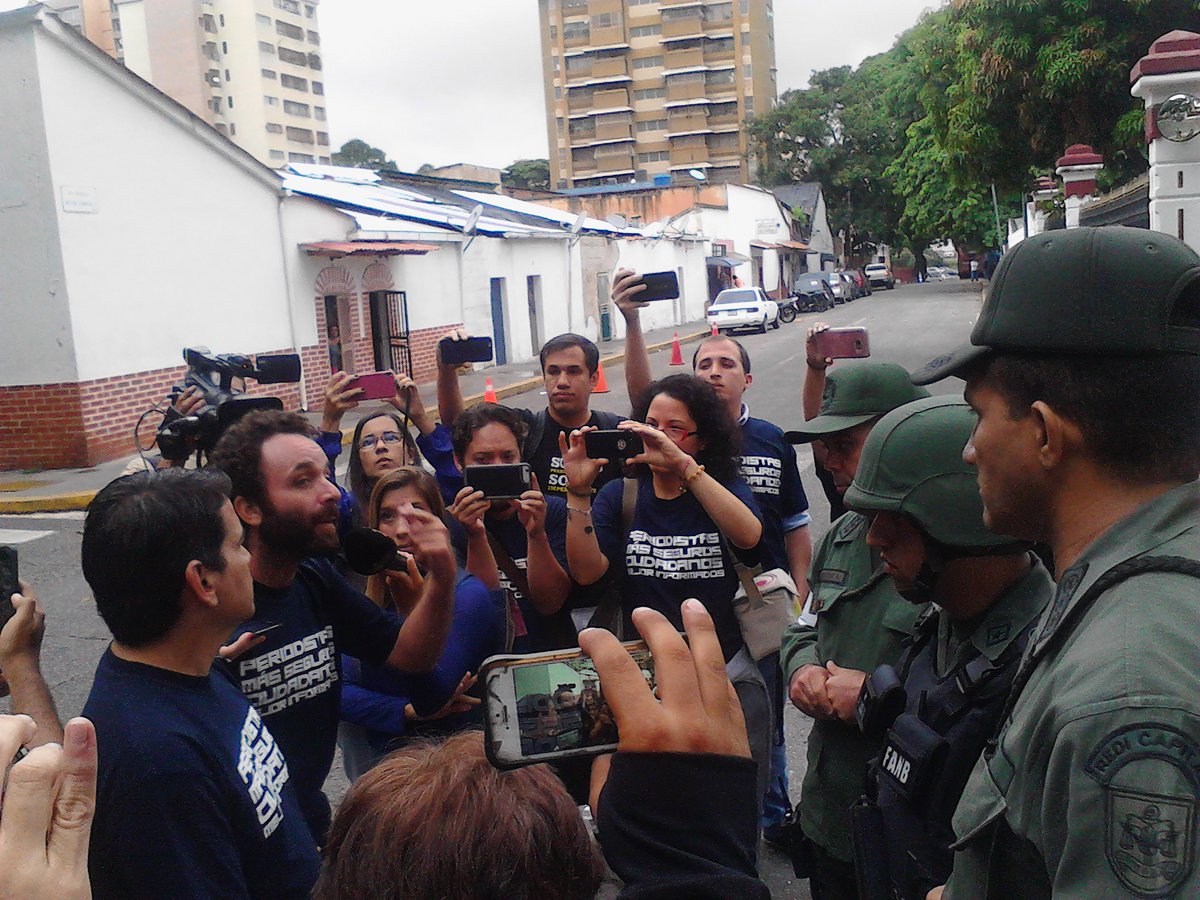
(912, 463)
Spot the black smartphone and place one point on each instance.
(659, 286)
(472, 349)
(501, 482)
(612, 444)
(268, 627)
(9, 583)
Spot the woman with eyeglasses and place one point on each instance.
(382, 441)
(693, 513)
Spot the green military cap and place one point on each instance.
(911, 463)
(1083, 291)
(855, 394)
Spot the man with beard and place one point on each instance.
(309, 613)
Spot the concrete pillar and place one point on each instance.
(1171, 67)
(1045, 190)
(1078, 168)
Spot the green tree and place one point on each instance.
(530, 174)
(361, 155)
(1009, 84)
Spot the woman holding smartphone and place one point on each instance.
(384, 708)
(693, 513)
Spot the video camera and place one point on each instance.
(213, 374)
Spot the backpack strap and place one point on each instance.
(1131, 568)
(537, 428)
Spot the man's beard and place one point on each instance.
(295, 535)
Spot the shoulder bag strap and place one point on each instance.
(1140, 565)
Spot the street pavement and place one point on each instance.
(909, 325)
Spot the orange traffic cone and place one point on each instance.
(601, 383)
(714, 331)
(489, 392)
(676, 352)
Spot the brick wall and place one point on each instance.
(55, 426)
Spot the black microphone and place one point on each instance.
(368, 552)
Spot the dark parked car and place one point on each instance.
(812, 293)
(861, 282)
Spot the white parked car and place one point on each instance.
(940, 273)
(743, 308)
(880, 274)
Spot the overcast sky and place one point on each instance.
(446, 81)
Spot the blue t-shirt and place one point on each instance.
(374, 696)
(768, 465)
(673, 551)
(194, 797)
(294, 678)
(551, 632)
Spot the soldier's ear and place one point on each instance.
(1057, 437)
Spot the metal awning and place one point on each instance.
(729, 261)
(763, 245)
(793, 245)
(367, 248)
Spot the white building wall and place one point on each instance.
(36, 344)
(174, 244)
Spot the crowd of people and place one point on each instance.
(994, 641)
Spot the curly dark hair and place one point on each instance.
(239, 451)
(721, 436)
(481, 415)
(360, 484)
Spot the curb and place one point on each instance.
(80, 499)
(47, 503)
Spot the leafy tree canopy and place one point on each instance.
(530, 174)
(361, 155)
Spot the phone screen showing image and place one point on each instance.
(557, 706)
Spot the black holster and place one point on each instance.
(870, 851)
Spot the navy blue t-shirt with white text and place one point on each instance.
(194, 798)
(768, 464)
(294, 678)
(673, 551)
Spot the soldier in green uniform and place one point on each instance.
(854, 621)
(1084, 369)
(933, 711)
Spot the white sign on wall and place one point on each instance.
(766, 227)
(79, 200)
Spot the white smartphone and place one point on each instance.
(543, 707)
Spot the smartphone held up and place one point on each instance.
(843, 343)
(374, 386)
(507, 481)
(611, 444)
(9, 583)
(544, 707)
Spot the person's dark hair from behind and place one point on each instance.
(723, 337)
(591, 353)
(437, 820)
(360, 484)
(140, 534)
(720, 434)
(1140, 416)
(239, 451)
(480, 416)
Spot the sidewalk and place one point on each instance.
(60, 490)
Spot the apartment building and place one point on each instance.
(250, 68)
(654, 89)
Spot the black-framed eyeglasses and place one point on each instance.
(388, 437)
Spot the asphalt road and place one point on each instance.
(909, 325)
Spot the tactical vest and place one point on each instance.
(929, 752)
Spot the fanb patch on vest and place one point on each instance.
(1149, 837)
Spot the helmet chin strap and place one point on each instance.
(938, 556)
